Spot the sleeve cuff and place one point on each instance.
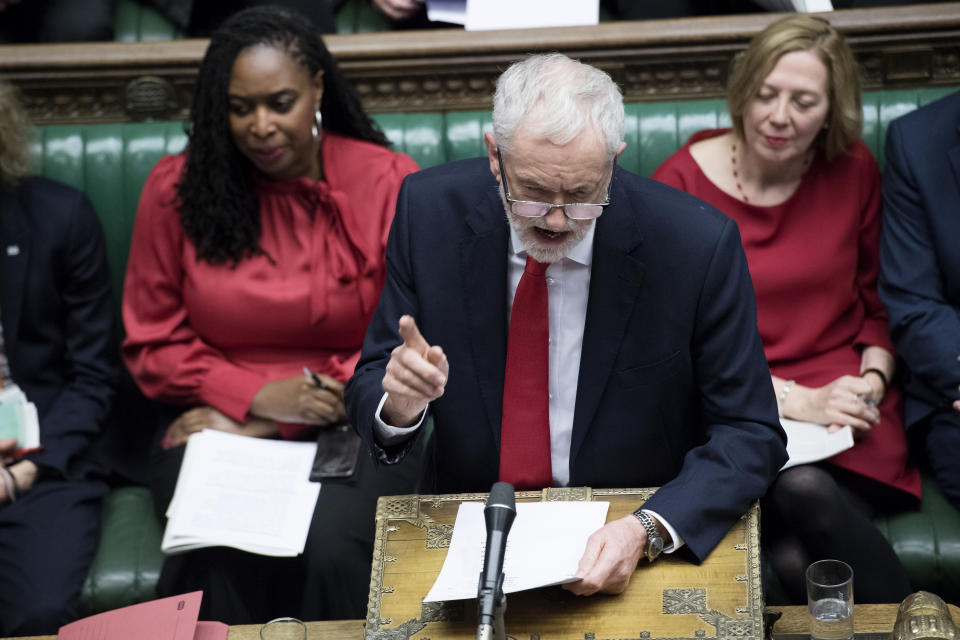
(389, 436)
(676, 540)
(231, 389)
(874, 333)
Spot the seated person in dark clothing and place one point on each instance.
(56, 20)
(920, 276)
(545, 307)
(57, 319)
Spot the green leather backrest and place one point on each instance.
(654, 130)
(111, 162)
(138, 22)
(357, 16)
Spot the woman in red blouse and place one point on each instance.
(805, 193)
(258, 252)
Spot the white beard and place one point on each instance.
(545, 253)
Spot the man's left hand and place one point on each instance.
(610, 558)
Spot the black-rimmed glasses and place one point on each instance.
(573, 210)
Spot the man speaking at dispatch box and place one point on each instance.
(566, 322)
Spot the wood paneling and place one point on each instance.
(439, 70)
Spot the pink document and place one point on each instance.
(173, 618)
(210, 631)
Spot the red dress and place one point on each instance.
(813, 260)
(201, 334)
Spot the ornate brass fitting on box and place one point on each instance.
(924, 616)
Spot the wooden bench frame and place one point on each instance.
(442, 70)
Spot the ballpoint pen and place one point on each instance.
(316, 379)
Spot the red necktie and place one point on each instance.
(525, 431)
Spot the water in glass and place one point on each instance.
(832, 619)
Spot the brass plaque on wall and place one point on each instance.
(721, 598)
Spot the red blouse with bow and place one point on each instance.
(201, 334)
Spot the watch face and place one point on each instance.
(654, 548)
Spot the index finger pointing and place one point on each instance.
(411, 335)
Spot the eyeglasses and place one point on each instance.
(573, 210)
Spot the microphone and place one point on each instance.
(499, 514)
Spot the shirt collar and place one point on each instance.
(581, 253)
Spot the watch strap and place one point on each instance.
(654, 544)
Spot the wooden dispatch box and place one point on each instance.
(673, 598)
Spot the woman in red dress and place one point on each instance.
(257, 252)
(805, 193)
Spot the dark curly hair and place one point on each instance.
(218, 204)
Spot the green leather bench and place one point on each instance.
(110, 163)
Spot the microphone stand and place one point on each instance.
(491, 601)
(496, 630)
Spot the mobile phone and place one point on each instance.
(338, 449)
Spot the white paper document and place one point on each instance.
(808, 442)
(544, 547)
(813, 6)
(247, 493)
(18, 419)
(453, 11)
(530, 14)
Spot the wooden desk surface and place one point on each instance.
(867, 618)
(334, 630)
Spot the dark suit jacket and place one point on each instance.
(919, 254)
(57, 314)
(674, 389)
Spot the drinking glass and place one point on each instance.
(284, 629)
(830, 600)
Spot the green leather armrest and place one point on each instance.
(128, 561)
(928, 543)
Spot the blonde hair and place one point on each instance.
(14, 135)
(802, 32)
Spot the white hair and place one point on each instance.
(566, 96)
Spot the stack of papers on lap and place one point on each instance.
(173, 618)
(247, 493)
(808, 442)
(18, 419)
(544, 547)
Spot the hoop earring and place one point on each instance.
(317, 120)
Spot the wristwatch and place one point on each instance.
(654, 546)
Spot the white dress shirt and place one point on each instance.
(568, 284)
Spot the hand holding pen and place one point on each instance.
(300, 399)
(316, 380)
(330, 386)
